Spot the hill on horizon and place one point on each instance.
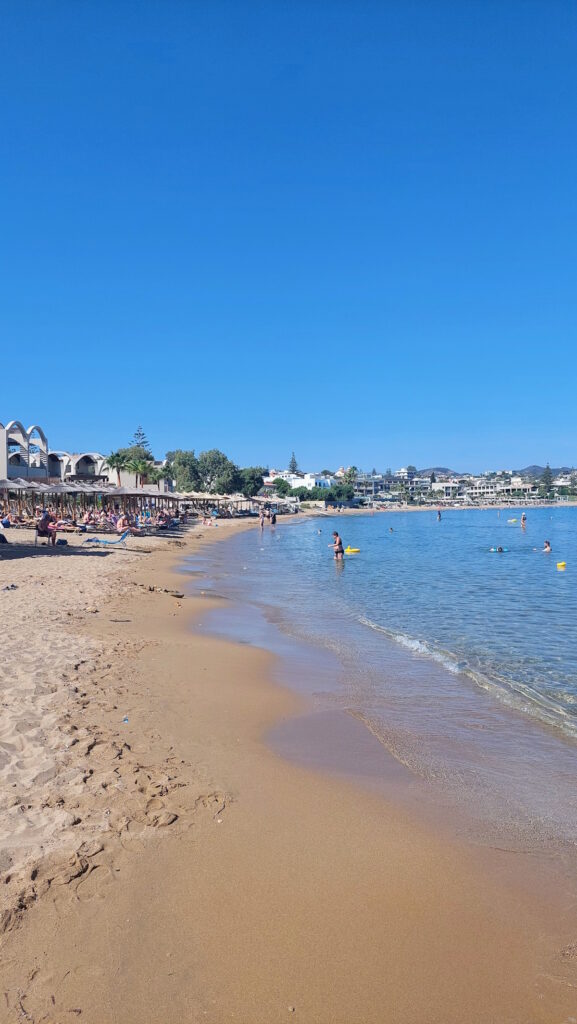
(537, 471)
(438, 469)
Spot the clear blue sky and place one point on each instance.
(343, 228)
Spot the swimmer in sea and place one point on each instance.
(523, 521)
(500, 550)
(390, 529)
(547, 548)
(439, 516)
(337, 546)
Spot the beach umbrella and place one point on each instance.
(11, 485)
(26, 485)
(58, 488)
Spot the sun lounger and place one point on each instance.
(100, 540)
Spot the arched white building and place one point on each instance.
(23, 452)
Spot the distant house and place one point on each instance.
(404, 474)
(369, 485)
(446, 488)
(308, 480)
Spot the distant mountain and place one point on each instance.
(537, 471)
(438, 471)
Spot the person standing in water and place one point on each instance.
(439, 516)
(523, 521)
(547, 548)
(337, 546)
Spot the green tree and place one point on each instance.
(156, 476)
(338, 492)
(140, 439)
(217, 473)
(343, 492)
(433, 478)
(303, 493)
(327, 472)
(573, 482)
(351, 475)
(137, 452)
(282, 487)
(547, 479)
(117, 461)
(142, 469)
(411, 469)
(183, 466)
(251, 480)
(293, 464)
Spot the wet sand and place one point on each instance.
(173, 867)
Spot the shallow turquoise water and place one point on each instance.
(434, 587)
(462, 661)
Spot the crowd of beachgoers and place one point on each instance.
(49, 520)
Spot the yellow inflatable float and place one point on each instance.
(351, 551)
(561, 566)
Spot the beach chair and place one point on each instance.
(42, 535)
(109, 543)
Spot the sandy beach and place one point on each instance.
(160, 863)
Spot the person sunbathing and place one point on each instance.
(123, 524)
(67, 525)
(12, 519)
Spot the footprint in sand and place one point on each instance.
(154, 804)
(215, 803)
(95, 883)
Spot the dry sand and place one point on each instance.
(171, 868)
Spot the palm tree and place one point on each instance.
(117, 461)
(142, 470)
(154, 477)
(166, 473)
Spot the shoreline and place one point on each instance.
(433, 507)
(275, 887)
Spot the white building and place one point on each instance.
(25, 454)
(308, 480)
(404, 474)
(446, 488)
(369, 485)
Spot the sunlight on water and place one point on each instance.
(436, 636)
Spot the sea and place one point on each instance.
(460, 660)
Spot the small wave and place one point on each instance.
(445, 658)
(514, 693)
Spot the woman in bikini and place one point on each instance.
(337, 546)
